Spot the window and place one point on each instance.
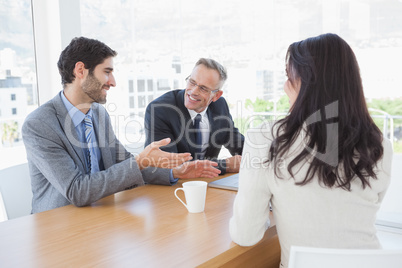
(132, 102)
(176, 84)
(141, 85)
(163, 85)
(150, 85)
(250, 39)
(130, 86)
(141, 102)
(18, 95)
(152, 43)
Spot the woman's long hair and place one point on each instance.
(341, 140)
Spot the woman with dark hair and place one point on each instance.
(325, 167)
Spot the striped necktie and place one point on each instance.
(88, 139)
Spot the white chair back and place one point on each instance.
(306, 257)
(3, 212)
(16, 191)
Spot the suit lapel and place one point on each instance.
(189, 134)
(68, 128)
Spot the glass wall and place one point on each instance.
(18, 90)
(159, 41)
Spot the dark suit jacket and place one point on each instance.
(167, 117)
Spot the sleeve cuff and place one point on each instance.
(172, 180)
(222, 166)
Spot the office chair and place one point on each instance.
(3, 212)
(303, 257)
(16, 191)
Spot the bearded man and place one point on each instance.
(73, 154)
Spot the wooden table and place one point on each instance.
(142, 227)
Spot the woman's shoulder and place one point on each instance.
(387, 155)
(387, 144)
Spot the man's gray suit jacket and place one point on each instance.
(57, 163)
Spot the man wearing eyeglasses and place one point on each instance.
(197, 120)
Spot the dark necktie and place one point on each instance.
(88, 139)
(198, 137)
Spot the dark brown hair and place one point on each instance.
(89, 51)
(331, 108)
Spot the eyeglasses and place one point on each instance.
(203, 89)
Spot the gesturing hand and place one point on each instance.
(233, 163)
(196, 169)
(155, 157)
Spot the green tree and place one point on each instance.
(9, 132)
(260, 105)
(392, 107)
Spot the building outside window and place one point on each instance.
(140, 85)
(18, 95)
(130, 86)
(150, 85)
(132, 102)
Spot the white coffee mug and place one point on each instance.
(195, 193)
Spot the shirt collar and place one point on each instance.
(193, 113)
(76, 115)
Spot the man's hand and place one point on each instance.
(152, 156)
(196, 169)
(233, 163)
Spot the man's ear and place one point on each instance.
(217, 95)
(79, 70)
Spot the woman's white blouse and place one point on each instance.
(309, 215)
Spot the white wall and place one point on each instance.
(55, 24)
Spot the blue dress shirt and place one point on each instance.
(78, 120)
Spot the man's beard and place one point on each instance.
(94, 88)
